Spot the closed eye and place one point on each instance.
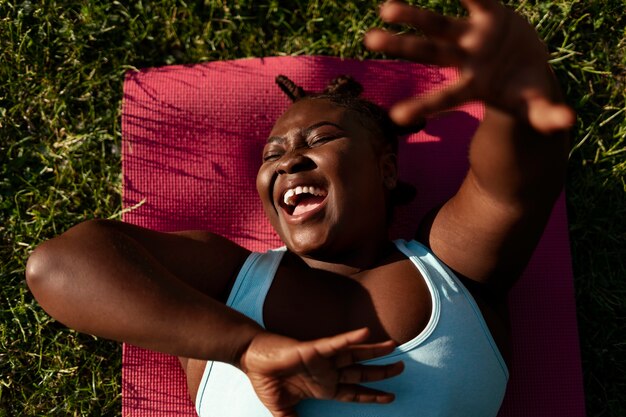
(272, 152)
(322, 139)
(271, 156)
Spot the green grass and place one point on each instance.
(61, 71)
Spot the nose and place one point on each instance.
(293, 162)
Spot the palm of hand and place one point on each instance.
(284, 371)
(291, 375)
(502, 62)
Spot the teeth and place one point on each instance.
(289, 198)
(288, 195)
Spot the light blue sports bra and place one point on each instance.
(452, 368)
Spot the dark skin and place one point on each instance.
(167, 291)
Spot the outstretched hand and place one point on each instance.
(284, 371)
(501, 59)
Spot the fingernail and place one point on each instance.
(373, 39)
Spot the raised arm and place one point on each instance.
(489, 229)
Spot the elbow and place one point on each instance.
(51, 269)
(60, 268)
(36, 267)
(42, 275)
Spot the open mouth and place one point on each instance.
(301, 200)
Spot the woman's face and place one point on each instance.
(322, 180)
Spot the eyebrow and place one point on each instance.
(305, 132)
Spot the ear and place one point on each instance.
(389, 169)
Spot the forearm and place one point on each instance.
(104, 283)
(513, 163)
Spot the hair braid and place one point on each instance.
(291, 89)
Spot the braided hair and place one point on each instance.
(344, 91)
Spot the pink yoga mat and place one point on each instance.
(192, 140)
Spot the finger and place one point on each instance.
(360, 394)
(431, 23)
(410, 111)
(423, 50)
(288, 412)
(369, 373)
(361, 353)
(547, 117)
(474, 6)
(330, 346)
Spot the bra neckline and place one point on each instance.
(411, 344)
(435, 300)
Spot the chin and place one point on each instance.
(306, 243)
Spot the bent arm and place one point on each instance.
(128, 284)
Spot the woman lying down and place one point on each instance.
(343, 321)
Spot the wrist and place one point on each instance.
(241, 354)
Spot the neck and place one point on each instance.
(351, 263)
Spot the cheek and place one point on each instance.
(260, 183)
(363, 184)
(360, 170)
(263, 181)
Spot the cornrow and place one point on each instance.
(344, 91)
(291, 89)
(344, 84)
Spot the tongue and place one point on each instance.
(307, 204)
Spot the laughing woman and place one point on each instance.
(343, 321)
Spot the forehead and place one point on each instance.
(305, 113)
